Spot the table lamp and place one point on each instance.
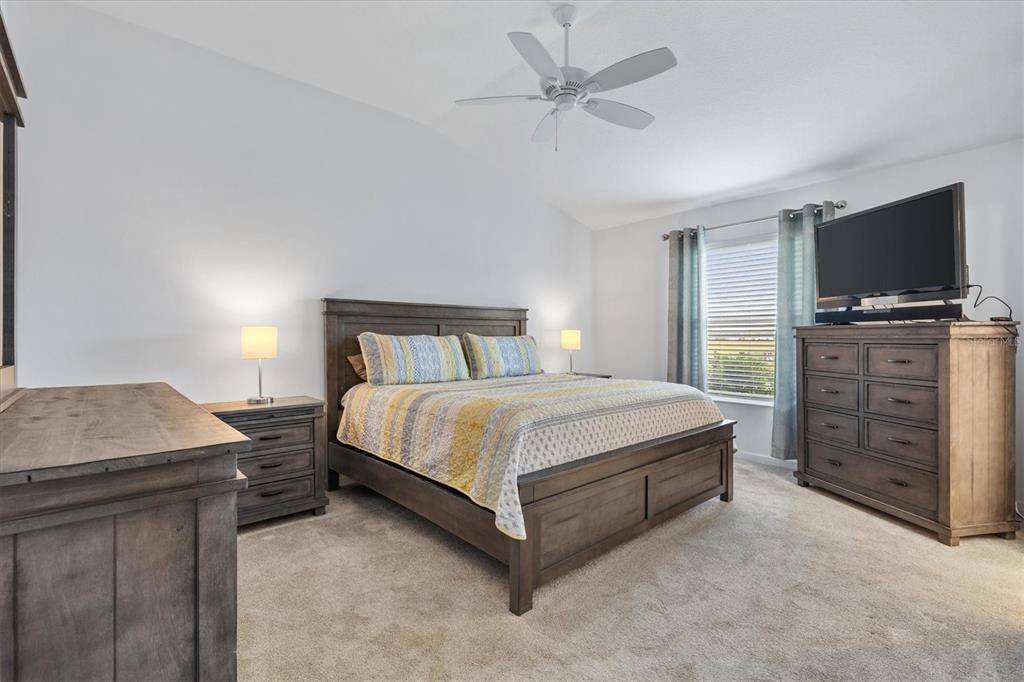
(570, 342)
(259, 343)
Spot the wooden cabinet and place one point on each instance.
(916, 420)
(117, 536)
(287, 467)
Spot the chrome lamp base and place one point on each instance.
(260, 399)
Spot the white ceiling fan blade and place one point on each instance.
(632, 70)
(536, 56)
(496, 100)
(618, 113)
(545, 130)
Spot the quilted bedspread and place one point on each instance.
(478, 436)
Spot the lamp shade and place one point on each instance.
(570, 339)
(259, 343)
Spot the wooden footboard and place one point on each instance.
(573, 512)
(569, 525)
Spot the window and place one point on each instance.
(741, 317)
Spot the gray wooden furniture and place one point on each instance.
(117, 536)
(574, 511)
(11, 89)
(287, 465)
(916, 420)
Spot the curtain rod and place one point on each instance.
(841, 204)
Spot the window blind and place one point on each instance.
(741, 285)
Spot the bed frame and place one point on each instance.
(574, 511)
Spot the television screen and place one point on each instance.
(912, 246)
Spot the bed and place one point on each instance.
(571, 511)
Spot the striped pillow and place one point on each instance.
(412, 359)
(501, 356)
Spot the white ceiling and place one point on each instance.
(766, 95)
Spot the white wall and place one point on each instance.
(169, 195)
(631, 261)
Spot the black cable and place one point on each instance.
(978, 300)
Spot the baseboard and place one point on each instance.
(789, 464)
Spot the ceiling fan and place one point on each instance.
(570, 87)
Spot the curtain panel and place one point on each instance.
(687, 323)
(797, 297)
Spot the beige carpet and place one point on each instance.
(783, 583)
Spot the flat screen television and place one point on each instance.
(912, 249)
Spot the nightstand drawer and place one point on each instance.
(263, 466)
(287, 465)
(266, 437)
(275, 493)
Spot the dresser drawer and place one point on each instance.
(255, 468)
(266, 437)
(275, 493)
(919, 446)
(909, 402)
(901, 361)
(841, 428)
(831, 357)
(831, 391)
(891, 483)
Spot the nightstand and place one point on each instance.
(287, 465)
(590, 374)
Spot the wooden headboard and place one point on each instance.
(345, 319)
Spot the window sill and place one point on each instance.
(740, 400)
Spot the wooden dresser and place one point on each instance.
(287, 466)
(117, 536)
(916, 420)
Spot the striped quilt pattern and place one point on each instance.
(412, 359)
(479, 436)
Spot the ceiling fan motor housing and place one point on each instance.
(569, 94)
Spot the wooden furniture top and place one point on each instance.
(59, 432)
(239, 407)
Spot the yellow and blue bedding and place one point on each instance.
(478, 436)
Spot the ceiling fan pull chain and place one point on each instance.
(556, 130)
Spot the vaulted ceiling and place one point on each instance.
(766, 95)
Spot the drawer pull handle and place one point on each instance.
(828, 357)
(830, 391)
(834, 462)
(896, 481)
(275, 437)
(897, 362)
(271, 493)
(899, 401)
(829, 425)
(271, 466)
(901, 441)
